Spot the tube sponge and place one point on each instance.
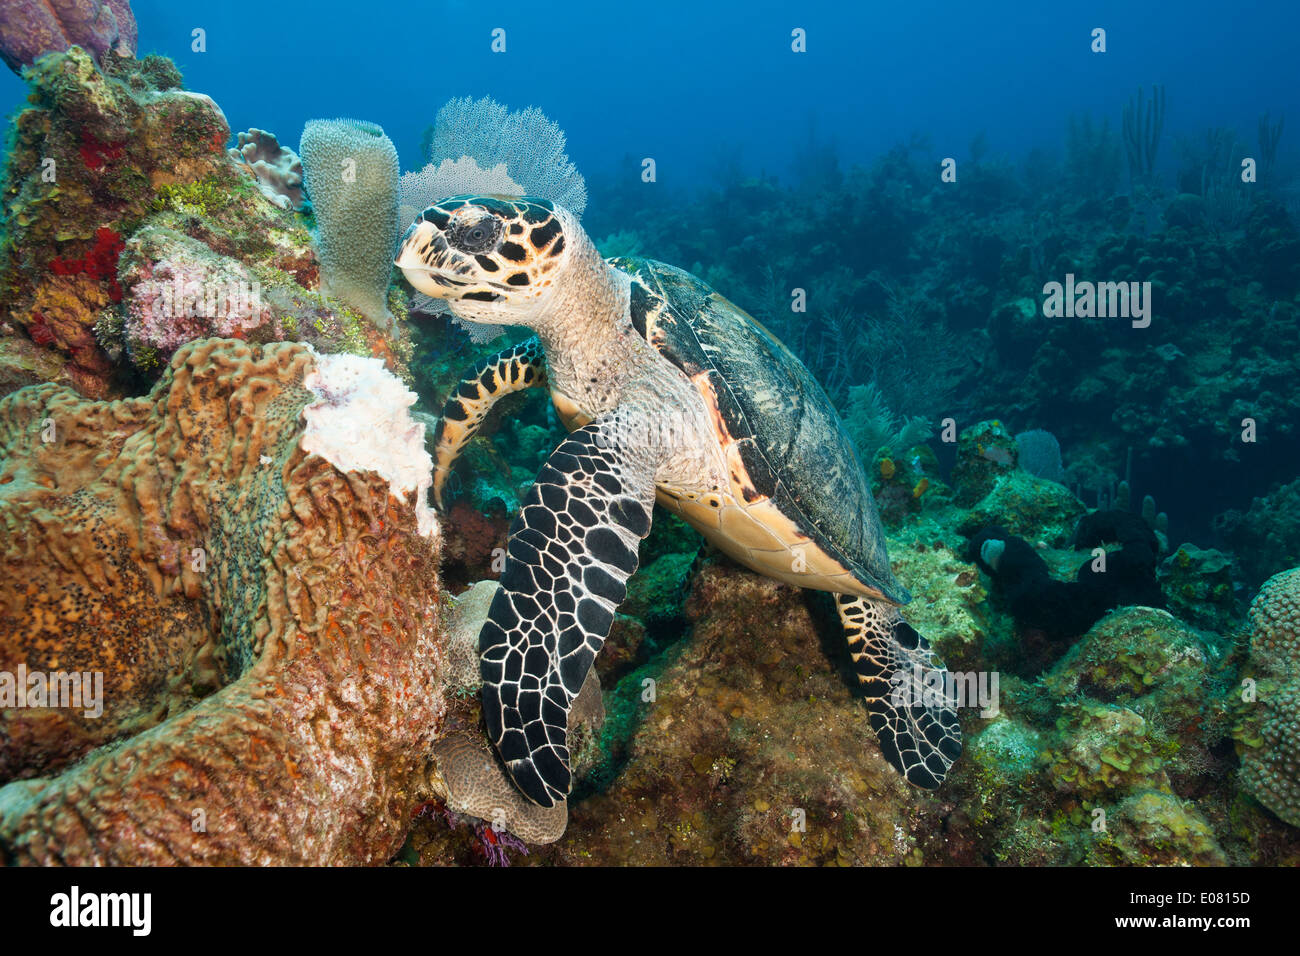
(351, 174)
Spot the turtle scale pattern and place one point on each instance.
(792, 443)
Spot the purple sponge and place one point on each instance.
(29, 28)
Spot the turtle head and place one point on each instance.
(495, 259)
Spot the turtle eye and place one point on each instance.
(478, 236)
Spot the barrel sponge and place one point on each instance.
(1270, 772)
(266, 616)
(351, 174)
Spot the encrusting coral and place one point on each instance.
(130, 230)
(465, 774)
(265, 617)
(86, 161)
(1270, 751)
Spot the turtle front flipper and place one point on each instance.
(906, 690)
(571, 550)
(510, 370)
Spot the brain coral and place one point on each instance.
(1271, 771)
(351, 172)
(266, 622)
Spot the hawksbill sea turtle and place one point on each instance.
(673, 395)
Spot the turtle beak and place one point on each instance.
(422, 252)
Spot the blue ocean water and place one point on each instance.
(790, 94)
(686, 82)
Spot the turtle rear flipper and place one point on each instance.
(918, 734)
(571, 550)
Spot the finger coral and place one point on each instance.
(245, 557)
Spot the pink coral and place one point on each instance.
(179, 290)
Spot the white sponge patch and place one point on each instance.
(360, 422)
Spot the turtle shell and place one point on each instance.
(791, 440)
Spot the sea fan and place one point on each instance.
(479, 146)
(1040, 455)
(452, 177)
(872, 426)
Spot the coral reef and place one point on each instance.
(706, 753)
(250, 543)
(1198, 585)
(86, 161)
(874, 428)
(891, 310)
(30, 28)
(257, 587)
(1111, 747)
(1046, 608)
(1114, 757)
(1026, 505)
(745, 742)
(1267, 535)
(351, 175)
(1270, 766)
(985, 452)
(181, 290)
(131, 231)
